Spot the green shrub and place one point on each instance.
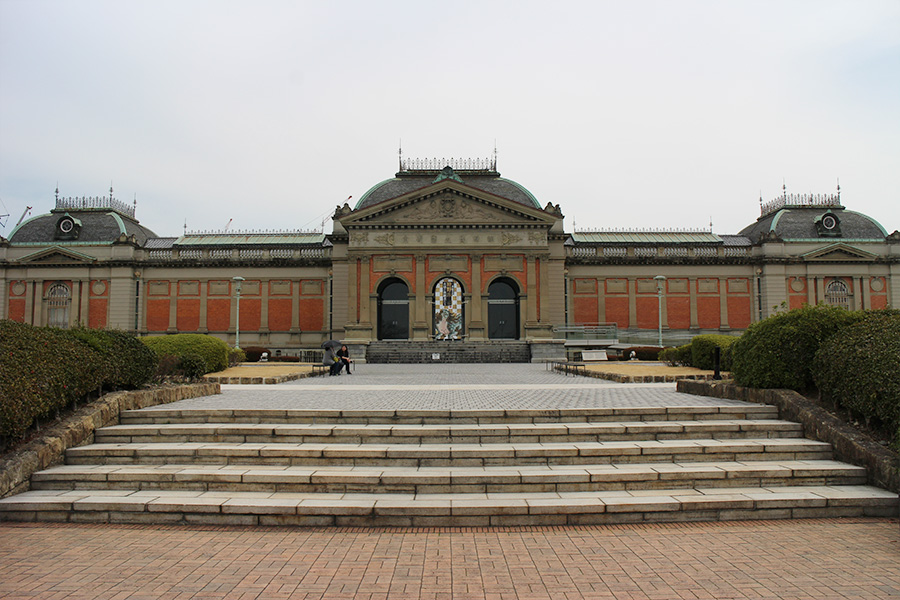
(42, 370)
(703, 349)
(254, 353)
(236, 356)
(214, 351)
(677, 357)
(778, 352)
(191, 366)
(859, 368)
(127, 363)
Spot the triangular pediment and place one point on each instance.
(838, 252)
(447, 202)
(57, 255)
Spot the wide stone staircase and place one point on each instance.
(443, 468)
(456, 351)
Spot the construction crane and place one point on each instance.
(22, 218)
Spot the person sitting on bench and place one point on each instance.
(344, 356)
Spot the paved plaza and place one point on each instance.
(782, 559)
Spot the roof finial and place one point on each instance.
(110, 190)
(760, 200)
(784, 189)
(57, 191)
(839, 189)
(400, 153)
(494, 166)
(710, 224)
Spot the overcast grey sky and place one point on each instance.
(627, 114)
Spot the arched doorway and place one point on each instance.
(59, 298)
(448, 313)
(503, 310)
(837, 293)
(393, 310)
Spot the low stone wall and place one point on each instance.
(262, 380)
(78, 429)
(851, 446)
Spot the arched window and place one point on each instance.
(837, 293)
(59, 298)
(503, 310)
(448, 309)
(393, 310)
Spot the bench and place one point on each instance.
(320, 369)
(574, 368)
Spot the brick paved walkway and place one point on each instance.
(807, 559)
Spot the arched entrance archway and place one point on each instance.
(59, 298)
(503, 310)
(449, 318)
(393, 310)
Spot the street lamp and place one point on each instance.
(237, 316)
(660, 282)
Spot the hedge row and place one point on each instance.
(778, 352)
(858, 368)
(701, 353)
(200, 354)
(43, 370)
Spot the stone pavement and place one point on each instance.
(789, 559)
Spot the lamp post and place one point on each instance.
(237, 315)
(660, 282)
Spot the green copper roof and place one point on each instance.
(289, 238)
(646, 237)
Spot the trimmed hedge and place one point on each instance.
(43, 370)
(778, 352)
(703, 349)
(858, 368)
(212, 350)
(677, 357)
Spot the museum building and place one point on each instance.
(445, 254)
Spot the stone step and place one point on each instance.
(448, 455)
(308, 433)
(701, 412)
(475, 510)
(449, 480)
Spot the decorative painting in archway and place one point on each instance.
(448, 309)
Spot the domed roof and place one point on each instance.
(487, 180)
(89, 226)
(806, 218)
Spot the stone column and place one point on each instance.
(263, 306)
(365, 296)
(692, 292)
(476, 303)
(811, 291)
(204, 296)
(632, 303)
(353, 288)
(173, 306)
(531, 316)
(723, 303)
(865, 294)
(421, 323)
(295, 305)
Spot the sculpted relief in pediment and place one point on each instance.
(449, 207)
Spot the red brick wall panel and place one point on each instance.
(158, 314)
(739, 312)
(678, 311)
(218, 314)
(312, 314)
(647, 312)
(279, 314)
(708, 313)
(585, 309)
(187, 315)
(251, 312)
(17, 309)
(617, 310)
(97, 308)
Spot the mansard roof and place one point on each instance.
(796, 217)
(101, 221)
(418, 174)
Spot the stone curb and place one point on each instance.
(78, 429)
(882, 465)
(262, 380)
(618, 378)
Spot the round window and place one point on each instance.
(829, 222)
(66, 225)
